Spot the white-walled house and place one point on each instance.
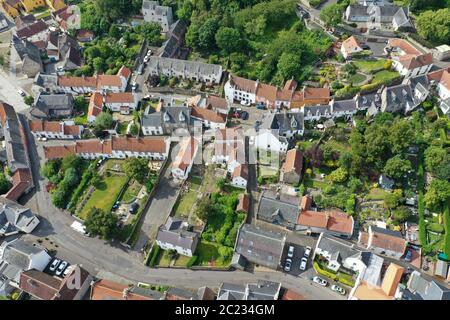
(407, 60)
(240, 176)
(55, 129)
(209, 118)
(123, 102)
(182, 164)
(240, 89)
(174, 235)
(350, 47)
(153, 12)
(270, 141)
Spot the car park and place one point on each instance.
(62, 266)
(303, 264)
(54, 264)
(290, 252)
(320, 281)
(288, 265)
(307, 251)
(338, 289)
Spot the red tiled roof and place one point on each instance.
(404, 45)
(73, 130)
(57, 152)
(413, 62)
(119, 97)
(93, 146)
(186, 153)
(333, 220)
(95, 104)
(350, 44)
(306, 203)
(31, 30)
(208, 115)
(22, 180)
(217, 102)
(294, 162)
(146, 144)
(386, 241)
(292, 295)
(124, 72)
(244, 84)
(109, 290)
(241, 171)
(244, 203)
(316, 93)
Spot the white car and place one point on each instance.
(288, 265)
(303, 263)
(62, 266)
(21, 92)
(44, 139)
(307, 251)
(146, 59)
(245, 103)
(320, 281)
(290, 252)
(338, 289)
(134, 86)
(54, 264)
(67, 271)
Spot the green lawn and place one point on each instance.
(132, 191)
(207, 253)
(185, 204)
(182, 261)
(309, 183)
(376, 194)
(104, 195)
(81, 120)
(163, 259)
(357, 78)
(384, 75)
(266, 171)
(369, 65)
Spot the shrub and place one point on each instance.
(435, 227)
(191, 261)
(370, 87)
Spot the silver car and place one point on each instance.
(288, 265)
(303, 263)
(62, 266)
(338, 289)
(320, 281)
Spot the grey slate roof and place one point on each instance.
(179, 66)
(283, 211)
(335, 245)
(25, 48)
(151, 119)
(230, 291)
(317, 111)
(47, 103)
(260, 246)
(402, 98)
(283, 122)
(427, 290)
(182, 293)
(388, 232)
(263, 290)
(15, 218)
(343, 106)
(174, 232)
(16, 152)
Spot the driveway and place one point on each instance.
(160, 207)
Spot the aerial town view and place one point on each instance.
(225, 150)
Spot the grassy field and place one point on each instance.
(187, 201)
(266, 171)
(104, 195)
(182, 261)
(207, 253)
(384, 75)
(369, 65)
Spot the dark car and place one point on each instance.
(260, 106)
(365, 47)
(133, 207)
(408, 256)
(244, 115)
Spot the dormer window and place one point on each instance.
(181, 117)
(293, 122)
(166, 117)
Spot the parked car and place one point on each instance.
(54, 264)
(290, 252)
(408, 256)
(303, 264)
(62, 266)
(338, 289)
(260, 106)
(44, 139)
(245, 103)
(67, 271)
(134, 86)
(365, 47)
(307, 251)
(146, 59)
(288, 265)
(320, 281)
(21, 92)
(244, 115)
(133, 207)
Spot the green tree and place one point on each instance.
(5, 185)
(401, 136)
(101, 223)
(114, 31)
(29, 100)
(51, 168)
(397, 167)
(70, 161)
(434, 25)
(71, 177)
(99, 64)
(331, 15)
(437, 162)
(392, 199)
(438, 193)
(104, 121)
(136, 168)
(152, 33)
(289, 65)
(401, 214)
(228, 39)
(338, 176)
(202, 208)
(134, 129)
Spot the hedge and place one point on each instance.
(323, 272)
(191, 261)
(447, 229)
(154, 253)
(435, 227)
(421, 204)
(85, 180)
